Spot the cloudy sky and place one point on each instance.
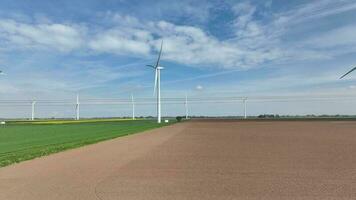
(55, 49)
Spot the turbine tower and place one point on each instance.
(186, 106)
(353, 69)
(245, 107)
(33, 110)
(133, 107)
(77, 108)
(157, 87)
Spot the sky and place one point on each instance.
(99, 49)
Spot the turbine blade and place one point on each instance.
(150, 66)
(348, 72)
(156, 79)
(159, 55)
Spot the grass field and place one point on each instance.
(19, 142)
(72, 121)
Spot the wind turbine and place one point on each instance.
(245, 107)
(33, 104)
(133, 107)
(348, 73)
(186, 106)
(157, 87)
(77, 108)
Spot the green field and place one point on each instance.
(21, 141)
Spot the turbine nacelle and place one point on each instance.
(159, 67)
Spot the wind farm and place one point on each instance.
(233, 144)
(244, 100)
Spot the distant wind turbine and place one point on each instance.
(33, 104)
(133, 106)
(348, 72)
(77, 108)
(157, 87)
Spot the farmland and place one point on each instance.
(199, 159)
(21, 141)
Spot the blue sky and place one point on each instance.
(55, 49)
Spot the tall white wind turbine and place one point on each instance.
(157, 87)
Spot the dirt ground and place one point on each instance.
(212, 159)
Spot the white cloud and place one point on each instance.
(344, 36)
(244, 23)
(122, 41)
(183, 44)
(199, 87)
(57, 36)
(272, 34)
(193, 46)
(315, 9)
(122, 19)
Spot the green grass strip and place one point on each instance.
(19, 142)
